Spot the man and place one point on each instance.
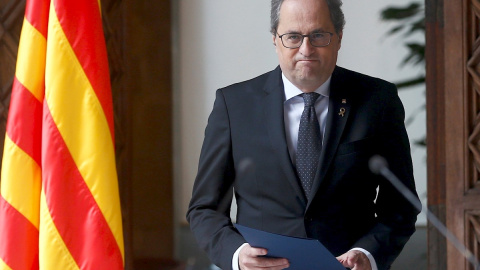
(294, 145)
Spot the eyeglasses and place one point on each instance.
(293, 41)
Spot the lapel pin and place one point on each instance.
(342, 112)
(344, 101)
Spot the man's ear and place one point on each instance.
(274, 41)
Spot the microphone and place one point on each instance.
(378, 165)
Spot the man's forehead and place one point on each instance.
(310, 3)
(304, 10)
(301, 19)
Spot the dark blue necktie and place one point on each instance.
(309, 144)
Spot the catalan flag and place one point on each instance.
(59, 199)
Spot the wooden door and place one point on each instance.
(453, 127)
(139, 51)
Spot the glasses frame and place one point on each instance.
(303, 37)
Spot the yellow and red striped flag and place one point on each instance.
(59, 199)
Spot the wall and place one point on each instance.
(216, 46)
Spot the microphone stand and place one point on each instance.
(378, 165)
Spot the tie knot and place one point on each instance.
(309, 98)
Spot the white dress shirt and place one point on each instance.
(293, 109)
(292, 112)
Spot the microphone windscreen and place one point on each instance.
(377, 163)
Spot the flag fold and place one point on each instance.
(59, 197)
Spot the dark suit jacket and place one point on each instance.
(245, 148)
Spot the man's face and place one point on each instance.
(306, 67)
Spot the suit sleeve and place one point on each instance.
(396, 217)
(209, 209)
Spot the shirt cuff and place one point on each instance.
(369, 256)
(235, 265)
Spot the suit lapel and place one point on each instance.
(338, 112)
(273, 110)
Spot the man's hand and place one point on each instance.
(248, 259)
(355, 260)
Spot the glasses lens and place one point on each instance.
(292, 40)
(320, 39)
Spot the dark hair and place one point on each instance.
(334, 6)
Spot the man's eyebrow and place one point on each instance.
(292, 32)
(318, 30)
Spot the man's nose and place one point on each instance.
(306, 48)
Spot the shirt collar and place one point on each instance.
(292, 91)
